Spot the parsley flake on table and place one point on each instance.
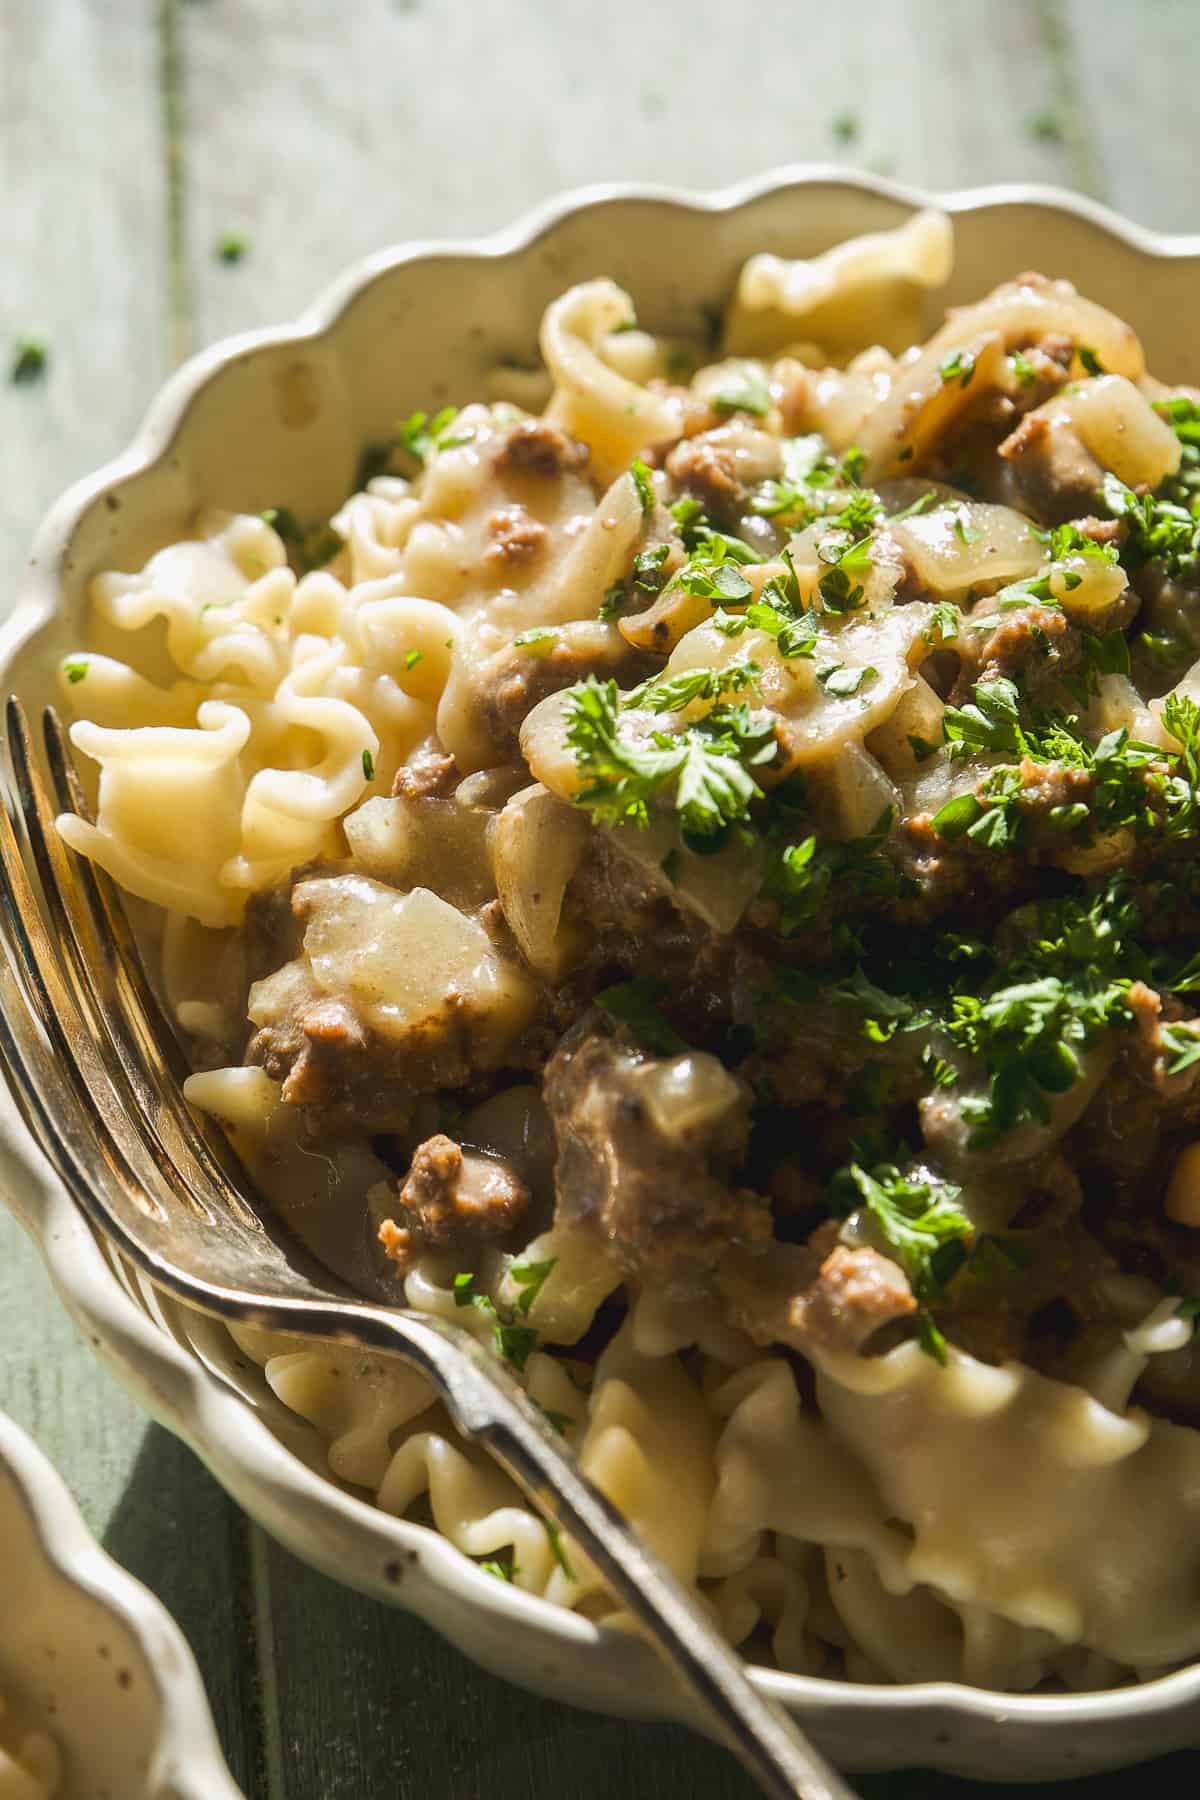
(30, 361)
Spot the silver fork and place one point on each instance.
(97, 1074)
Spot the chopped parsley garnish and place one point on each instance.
(804, 874)
(746, 390)
(1023, 370)
(368, 766)
(515, 1343)
(958, 366)
(1091, 362)
(1184, 1045)
(709, 762)
(636, 1005)
(674, 693)
(1159, 530)
(842, 681)
(539, 640)
(914, 1217)
(421, 435)
(30, 361)
(931, 1338)
(530, 1278)
(412, 658)
(647, 567)
(556, 1545)
(848, 563)
(644, 485)
(503, 1568)
(75, 671)
(943, 623)
(613, 603)
(1059, 990)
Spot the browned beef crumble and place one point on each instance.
(664, 1204)
(429, 774)
(516, 678)
(453, 1200)
(535, 447)
(516, 537)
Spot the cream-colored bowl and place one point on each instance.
(89, 1656)
(280, 417)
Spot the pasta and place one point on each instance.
(707, 866)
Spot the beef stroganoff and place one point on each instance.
(696, 883)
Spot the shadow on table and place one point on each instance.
(178, 1531)
(357, 1701)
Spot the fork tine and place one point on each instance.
(97, 937)
(56, 1056)
(90, 978)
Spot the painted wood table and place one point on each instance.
(136, 136)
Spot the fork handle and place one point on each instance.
(487, 1405)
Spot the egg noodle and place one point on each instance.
(692, 877)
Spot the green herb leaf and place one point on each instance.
(1023, 369)
(412, 658)
(368, 766)
(539, 640)
(958, 366)
(515, 1343)
(75, 671)
(29, 363)
(746, 389)
(644, 484)
(636, 1005)
(504, 1569)
(530, 1278)
(231, 247)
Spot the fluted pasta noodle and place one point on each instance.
(862, 292)
(695, 887)
(613, 414)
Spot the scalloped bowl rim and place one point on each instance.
(172, 1382)
(186, 1746)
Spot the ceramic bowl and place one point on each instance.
(89, 1656)
(284, 413)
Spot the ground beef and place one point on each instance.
(352, 1080)
(661, 1198)
(1037, 646)
(718, 467)
(1054, 476)
(453, 1200)
(855, 1293)
(708, 472)
(517, 537)
(535, 447)
(512, 681)
(429, 774)
(959, 874)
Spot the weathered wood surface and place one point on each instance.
(135, 133)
